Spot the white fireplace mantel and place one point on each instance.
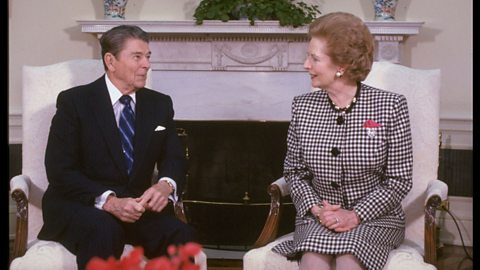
(388, 35)
(236, 71)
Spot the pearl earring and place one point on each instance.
(338, 74)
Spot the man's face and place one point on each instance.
(128, 70)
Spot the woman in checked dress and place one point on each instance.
(349, 156)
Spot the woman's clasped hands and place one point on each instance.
(334, 217)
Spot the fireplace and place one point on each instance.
(230, 165)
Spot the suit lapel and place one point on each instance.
(144, 119)
(103, 111)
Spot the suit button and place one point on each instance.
(335, 152)
(334, 184)
(340, 120)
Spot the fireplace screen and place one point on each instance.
(231, 164)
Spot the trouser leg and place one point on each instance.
(156, 231)
(93, 233)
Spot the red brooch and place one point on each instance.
(370, 125)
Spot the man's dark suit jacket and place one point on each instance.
(84, 155)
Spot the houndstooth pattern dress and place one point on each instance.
(343, 162)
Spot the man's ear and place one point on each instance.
(109, 59)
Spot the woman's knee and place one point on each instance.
(313, 260)
(348, 261)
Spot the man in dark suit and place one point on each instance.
(105, 141)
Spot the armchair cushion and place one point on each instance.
(45, 255)
(401, 258)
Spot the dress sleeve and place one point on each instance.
(398, 168)
(296, 173)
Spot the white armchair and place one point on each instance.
(418, 251)
(41, 86)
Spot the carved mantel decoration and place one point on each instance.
(236, 45)
(270, 55)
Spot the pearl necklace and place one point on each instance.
(354, 99)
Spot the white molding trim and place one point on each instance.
(240, 26)
(462, 209)
(456, 133)
(188, 26)
(388, 35)
(15, 128)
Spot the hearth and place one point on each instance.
(231, 164)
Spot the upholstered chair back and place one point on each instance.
(421, 88)
(41, 86)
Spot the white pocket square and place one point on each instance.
(159, 128)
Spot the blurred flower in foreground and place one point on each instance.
(179, 258)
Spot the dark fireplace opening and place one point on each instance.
(231, 164)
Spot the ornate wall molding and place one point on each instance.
(388, 37)
(271, 56)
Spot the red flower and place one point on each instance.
(159, 263)
(179, 258)
(191, 249)
(371, 124)
(99, 264)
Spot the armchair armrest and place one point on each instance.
(19, 190)
(277, 190)
(437, 193)
(437, 188)
(180, 211)
(283, 186)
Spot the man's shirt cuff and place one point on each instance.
(100, 200)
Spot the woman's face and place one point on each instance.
(319, 65)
